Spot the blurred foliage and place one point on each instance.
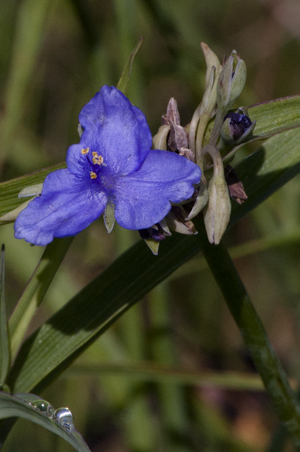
(54, 56)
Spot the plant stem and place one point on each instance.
(254, 335)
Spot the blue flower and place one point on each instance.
(113, 167)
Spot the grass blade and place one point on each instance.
(4, 343)
(30, 29)
(16, 406)
(36, 290)
(9, 190)
(126, 74)
(275, 116)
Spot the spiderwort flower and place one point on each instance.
(113, 166)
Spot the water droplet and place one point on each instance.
(65, 418)
(44, 407)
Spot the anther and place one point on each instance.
(93, 175)
(85, 151)
(97, 159)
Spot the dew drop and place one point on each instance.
(43, 406)
(65, 418)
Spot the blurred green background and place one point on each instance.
(54, 56)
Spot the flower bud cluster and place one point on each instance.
(223, 86)
(213, 128)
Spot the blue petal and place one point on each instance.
(115, 129)
(143, 198)
(66, 207)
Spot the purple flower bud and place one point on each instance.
(239, 124)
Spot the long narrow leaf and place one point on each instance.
(66, 335)
(275, 116)
(267, 169)
(126, 74)
(4, 343)
(145, 371)
(36, 290)
(9, 190)
(30, 29)
(16, 406)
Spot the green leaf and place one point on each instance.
(27, 44)
(26, 406)
(268, 169)
(275, 116)
(4, 343)
(12, 215)
(92, 311)
(150, 372)
(245, 249)
(36, 289)
(48, 351)
(9, 190)
(126, 74)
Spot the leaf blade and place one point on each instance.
(136, 272)
(4, 341)
(16, 406)
(9, 190)
(275, 116)
(126, 74)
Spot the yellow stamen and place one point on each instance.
(93, 175)
(85, 151)
(97, 159)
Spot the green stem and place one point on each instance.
(254, 335)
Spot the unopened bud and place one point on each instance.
(232, 80)
(217, 215)
(217, 212)
(176, 220)
(212, 74)
(236, 128)
(205, 111)
(154, 235)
